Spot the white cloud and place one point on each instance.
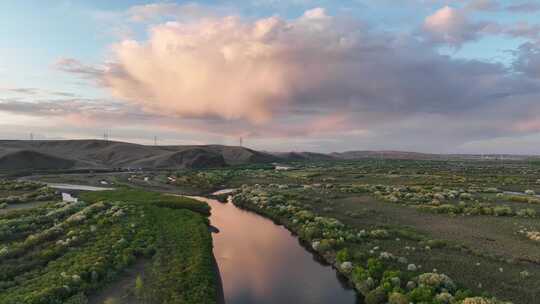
(452, 26)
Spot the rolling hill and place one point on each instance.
(99, 154)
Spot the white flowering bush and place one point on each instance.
(379, 233)
(534, 235)
(346, 267)
(412, 267)
(444, 298)
(436, 281)
(478, 300)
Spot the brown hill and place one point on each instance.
(99, 154)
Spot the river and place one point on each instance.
(76, 187)
(261, 262)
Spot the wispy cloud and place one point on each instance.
(525, 7)
(35, 92)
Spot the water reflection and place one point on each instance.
(261, 262)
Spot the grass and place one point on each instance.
(143, 196)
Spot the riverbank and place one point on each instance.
(379, 276)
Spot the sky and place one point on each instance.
(443, 76)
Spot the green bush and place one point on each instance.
(503, 211)
(376, 296)
(359, 274)
(421, 294)
(343, 256)
(375, 268)
(182, 202)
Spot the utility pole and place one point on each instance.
(241, 141)
(106, 134)
(31, 136)
(155, 140)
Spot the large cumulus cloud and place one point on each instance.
(319, 77)
(234, 69)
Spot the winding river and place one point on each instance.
(261, 262)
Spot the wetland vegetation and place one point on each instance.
(63, 252)
(397, 231)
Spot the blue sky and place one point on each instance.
(482, 36)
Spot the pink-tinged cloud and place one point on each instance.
(230, 68)
(452, 26)
(531, 125)
(316, 78)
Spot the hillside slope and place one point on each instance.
(99, 154)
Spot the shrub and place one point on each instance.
(444, 298)
(182, 202)
(376, 296)
(375, 268)
(326, 245)
(447, 208)
(421, 294)
(398, 298)
(343, 256)
(359, 274)
(79, 298)
(379, 234)
(111, 301)
(465, 196)
(436, 243)
(310, 232)
(139, 286)
(527, 212)
(503, 211)
(436, 281)
(391, 280)
(478, 300)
